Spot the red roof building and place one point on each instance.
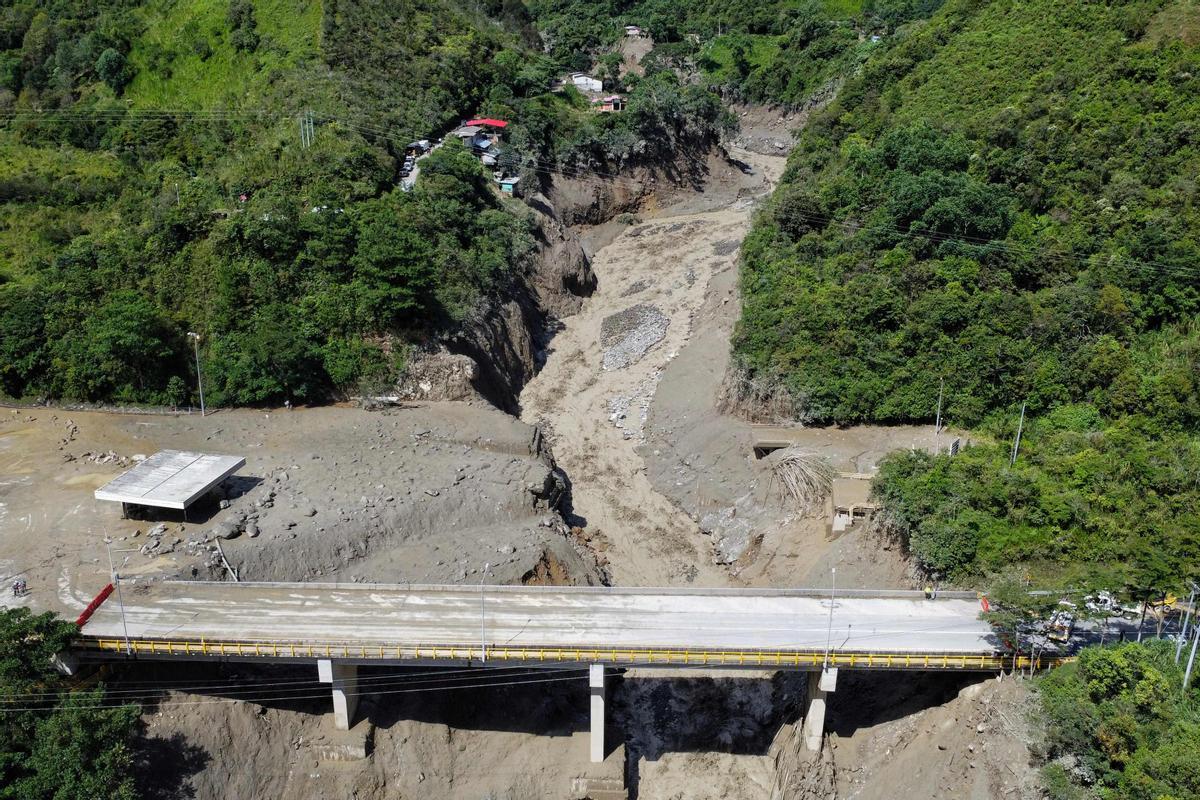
(491, 123)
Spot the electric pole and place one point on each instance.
(1187, 674)
(115, 577)
(195, 337)
(483, 615)
(1017, 441)
(937, 426)
(306, 129)
(1184, 630)
(832, 600)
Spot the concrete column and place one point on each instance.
(596, 684)
(820, 684)
(344, 678)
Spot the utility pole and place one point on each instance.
(195, 337)
(1017, 441)
(937, 426)
(115, 577)
(483, 615)
(1187, 674)
(1184, 630)
(306, 129)
(832, 597)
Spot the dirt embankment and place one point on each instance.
(430, 493)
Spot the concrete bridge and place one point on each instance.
(343, 626)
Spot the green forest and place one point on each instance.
(1117, 726)
(1001, 203)
(153, 182)
(56, 740)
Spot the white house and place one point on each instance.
(586, 83)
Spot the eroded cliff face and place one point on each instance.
(500, 347)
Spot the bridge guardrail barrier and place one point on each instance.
(640, 656)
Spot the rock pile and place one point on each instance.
(628, 335)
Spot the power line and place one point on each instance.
(321, 695)
(299, 684)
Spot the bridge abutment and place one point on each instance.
(820, 684)
(344, 680)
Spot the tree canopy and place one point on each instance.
(55, 742)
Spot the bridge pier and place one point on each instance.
(344, 679)
(820, 684)
(596, 685)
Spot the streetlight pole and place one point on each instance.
(115, 577)
(483, 615)
(195, 337)
(832, 598)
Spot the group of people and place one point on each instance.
(20, 588)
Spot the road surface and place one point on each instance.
(540, 617)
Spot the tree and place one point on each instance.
(55, 743)
(113, 69)
(22, 339)
(123, 349)
(176, 392)
(394, 263)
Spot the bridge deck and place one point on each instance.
(541, 623)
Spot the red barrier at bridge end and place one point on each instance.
(92, 606)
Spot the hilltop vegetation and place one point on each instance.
(1003, 201)
(153, 181)
(779, 51)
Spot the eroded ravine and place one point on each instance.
(592, 406)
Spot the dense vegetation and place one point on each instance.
(56, 743)
(305, 270)
(1003, 201)
(1119, 727)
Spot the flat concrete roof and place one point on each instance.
(170, 479)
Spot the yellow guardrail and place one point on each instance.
(591, 655)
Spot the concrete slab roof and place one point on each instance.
(170, 479)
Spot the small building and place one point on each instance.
(633, 31)
(610, 104)
(586, 83)
(510, 186)
(467, 133)
(486, 122)
(171, 479)
(849, 503)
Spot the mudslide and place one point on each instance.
(601, 373)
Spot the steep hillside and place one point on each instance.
(777, 51)
(155, 181)
(1003, 203)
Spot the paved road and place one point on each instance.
(540, 617)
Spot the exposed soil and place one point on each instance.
(422, 494)
(591, 403)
